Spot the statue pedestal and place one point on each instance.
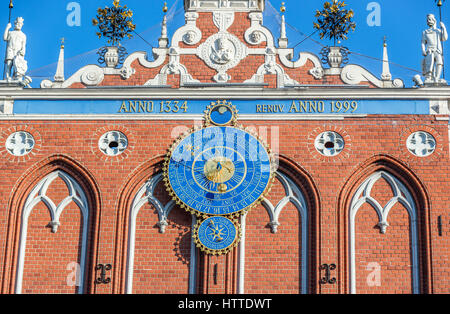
(10, 84)
(442, 83)
(15, 84)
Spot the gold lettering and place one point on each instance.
(354, 105)
(142, 106)
(303, 106)
(312, 106)
(149, 106)
(185, 106)
(177, 108)
(297, 106)
(132, 106)
(123, 107)
(293, 107)
(321, 107)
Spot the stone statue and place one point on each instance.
(16, 66)
(432, 40)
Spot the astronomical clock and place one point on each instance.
(218, 172)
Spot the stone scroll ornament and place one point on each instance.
(218, 172)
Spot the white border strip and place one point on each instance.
(229, 93)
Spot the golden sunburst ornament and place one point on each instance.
(217, 235)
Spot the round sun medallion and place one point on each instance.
(216, 235)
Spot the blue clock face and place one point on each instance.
(221, 115)
(218, 171)
(217, 234)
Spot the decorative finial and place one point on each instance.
(439, 4)
(163, 40)
(59, 75)
(283, 40)
(11, 5)
(386, 74)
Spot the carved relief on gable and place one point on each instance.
(221, 52)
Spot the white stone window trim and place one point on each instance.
(363, 196)
(417, 149)
(294, 196)
(37, 195)
(13, 148)
(113, 136)
(146, 195)
(337, 141)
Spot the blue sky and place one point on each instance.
(402, 22)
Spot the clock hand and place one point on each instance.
(228, 168)
(185, 165)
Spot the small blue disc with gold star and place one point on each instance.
(217, 235)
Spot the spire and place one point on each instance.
(386, 75)
(164, 40)
(59, 76)
(283, 41)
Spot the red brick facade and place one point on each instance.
(272, 261)
(314, 227)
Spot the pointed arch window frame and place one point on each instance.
(293, 195)
(37, 195)
(144, 196)
(362, 196)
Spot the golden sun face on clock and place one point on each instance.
(219, 169)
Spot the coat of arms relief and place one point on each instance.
(222, 51)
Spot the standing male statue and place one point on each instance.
(432, 39)
(15, 51)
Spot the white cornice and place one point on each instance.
(227, 93)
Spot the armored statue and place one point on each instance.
(432, 40)
(16, 66)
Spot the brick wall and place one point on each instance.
(273, 261)
(48, 255)
(375, 143)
